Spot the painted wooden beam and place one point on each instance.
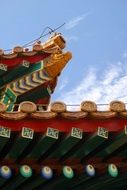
(69, 142)
(89, 173)
(45, 142)
(109, 177)
(3, 69)
(25, 172)
(117, 142)
(93, 180)
(5, 134)
(60, 182)
(119, 184)
(45, 175)
(5, 174)
(34, 95)
(21, 143)
(20, 70)
(90, 145)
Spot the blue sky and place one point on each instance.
(96, 34)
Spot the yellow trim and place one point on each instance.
(26, 74)
(35, 79)
(56, 63)
(23, 86)
(44, 77)
(11, 90)
(29, 83)
(2, 98)
(55, 40)
(17, 89)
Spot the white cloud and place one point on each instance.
(63, 83)
(111, 85)
(72, 38)
(75, 21)
(125, 55)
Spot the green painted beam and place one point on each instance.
(121, 179)
(23, 176)
(22, 69)
(5, 134)
(46, 141)
(110, 176)
(8, 98)
(78, 180)
(38, 180)
(119, 141)
(22, 92)
(45, 176)
(39, 93)
(84, 184)
(2, 181)
(60, 182)
(5, 174)
(96, 140)
(123, 150)
(93, 183)
(69, 142)
(119, 184)
(89, 173)
(21, 143)
(29, 82)
(3, 69)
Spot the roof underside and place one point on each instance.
(89, 143)
(58, 138)
(32, 74)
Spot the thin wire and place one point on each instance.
(41, 36)
(79, 104)
(75, 105)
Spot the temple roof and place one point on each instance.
(55, 148)
(31, 75)
(54, 44)
(88, 109)
(62, 148)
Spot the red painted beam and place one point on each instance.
(65, 125)
(32, 59)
